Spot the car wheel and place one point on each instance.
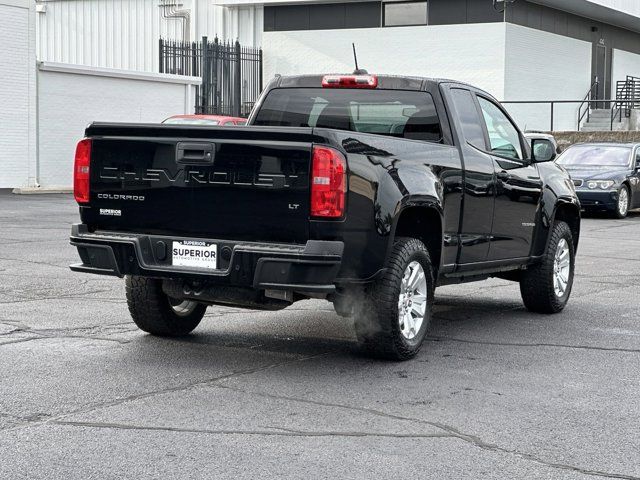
(622, 206)
(546, 286)
(155, 312)
(392, 320)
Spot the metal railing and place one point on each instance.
(553, 103)
(552, 106)
(588, 98)
(627, 98)
(231, 74)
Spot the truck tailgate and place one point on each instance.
(209, 182)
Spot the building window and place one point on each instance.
(322, 16)
(402, 13)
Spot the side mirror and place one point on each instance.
(542, 150)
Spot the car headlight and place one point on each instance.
(601, 184)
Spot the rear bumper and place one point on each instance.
(598, 200)
(309, 268)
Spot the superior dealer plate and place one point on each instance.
(191, 253)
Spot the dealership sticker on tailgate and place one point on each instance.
(190, 253)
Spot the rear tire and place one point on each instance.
(155, 312)
(393, 319)
(546, 286)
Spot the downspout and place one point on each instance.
(37, 127)
(195, 23)
(170, 11)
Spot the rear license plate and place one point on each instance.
(191, 253)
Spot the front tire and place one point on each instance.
(393, 319)
(156, 313)
(546, 286)
(622, 205)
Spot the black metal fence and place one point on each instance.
(628, 95)
(231, 74)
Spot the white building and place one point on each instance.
(516, 50)
(17, 93)
(87, 72)
(124, 34)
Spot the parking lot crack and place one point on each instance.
(34, 262)
(63, 296)
(178, 388)
(13, 328)
(268, 431)
(609, 257)
(58, 334)
(18, 340)
(535, 345)
(451, 432)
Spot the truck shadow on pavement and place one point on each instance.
(325, 332)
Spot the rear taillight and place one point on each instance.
(349, 81)
(328, 183)
(81, 171)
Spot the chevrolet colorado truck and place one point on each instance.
(366, 190)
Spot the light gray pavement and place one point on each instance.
(497, 392)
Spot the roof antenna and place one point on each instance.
(357, 71)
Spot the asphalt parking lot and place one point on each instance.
(497, 392)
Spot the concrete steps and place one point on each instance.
(600, 121)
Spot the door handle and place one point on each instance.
(195, 153)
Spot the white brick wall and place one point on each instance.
(545, 66)
(71, 97)
(17, 93)
(472, 53)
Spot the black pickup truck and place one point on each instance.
(366, 190)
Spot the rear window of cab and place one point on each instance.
(397, 113)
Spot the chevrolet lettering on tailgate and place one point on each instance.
(195, 176)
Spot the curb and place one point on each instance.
(40, 190)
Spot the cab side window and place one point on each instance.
(469, 118)
(503, 135)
